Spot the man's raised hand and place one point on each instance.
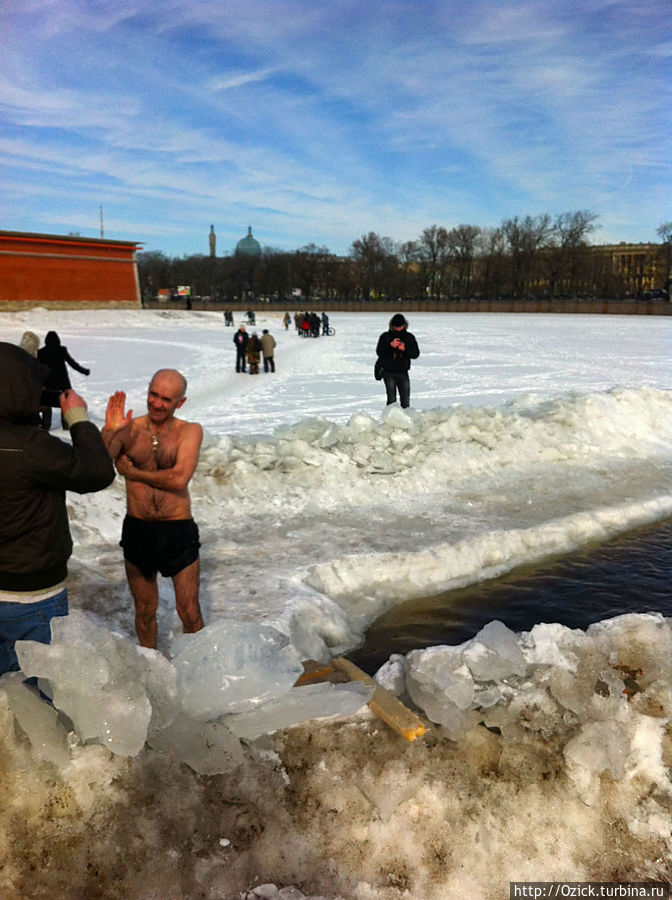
(115, 417)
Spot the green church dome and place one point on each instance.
(248, 245)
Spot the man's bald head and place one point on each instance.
(175, 376)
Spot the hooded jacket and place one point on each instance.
(393, 360)
(36, 469)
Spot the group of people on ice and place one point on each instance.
(309, 324)
(249, 315)
(250, 348)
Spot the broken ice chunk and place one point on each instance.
(392, 675)
(37, 719)
(598, 747)
(95, 680)
(638, 642)
(494, 653)
(440, 684)
(232, 667)
(397, 417)
(159, 678)
(317, 701)
(552, 644)
(361, 422)
(209, 748)
(271, 892)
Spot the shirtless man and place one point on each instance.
(157, 455)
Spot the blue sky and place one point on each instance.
(318, 121)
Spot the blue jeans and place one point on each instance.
(27, 622)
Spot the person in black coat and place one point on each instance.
(240, 339)
(55, 356)
(396, 348)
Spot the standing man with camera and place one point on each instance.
(36, 469)
(395, 350)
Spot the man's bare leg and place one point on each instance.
(186, 585)
(146, 597)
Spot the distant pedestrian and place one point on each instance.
(268, 346)
(240, 339)
(254, 353)
(30, 342)
(325, 323)
(55, 356)
(286, 319)
(395, 350)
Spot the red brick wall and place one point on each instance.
(51, 269)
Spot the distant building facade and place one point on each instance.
(57, 271)
(639, 267)
(609, 270)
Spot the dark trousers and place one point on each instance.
(397, 381)
(269, 362)
(45, 418)
(240, 362)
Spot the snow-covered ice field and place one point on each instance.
(528, 435)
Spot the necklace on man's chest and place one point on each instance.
(155, 439)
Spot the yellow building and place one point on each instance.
(640, 267)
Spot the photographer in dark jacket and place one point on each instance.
(396, 348)
(36, 469)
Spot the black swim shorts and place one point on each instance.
(160, 546)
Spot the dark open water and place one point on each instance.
(632, 573)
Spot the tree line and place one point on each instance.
(532, 255)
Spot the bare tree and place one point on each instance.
(308, 267)
(494, 265)
(524, 238)
(276, 273)
(434, 253)
(463, 241)
(374, 256)
(154, 272)
(345, 278)
(409, 256)
(567, 239)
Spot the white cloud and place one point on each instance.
(239, 79)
